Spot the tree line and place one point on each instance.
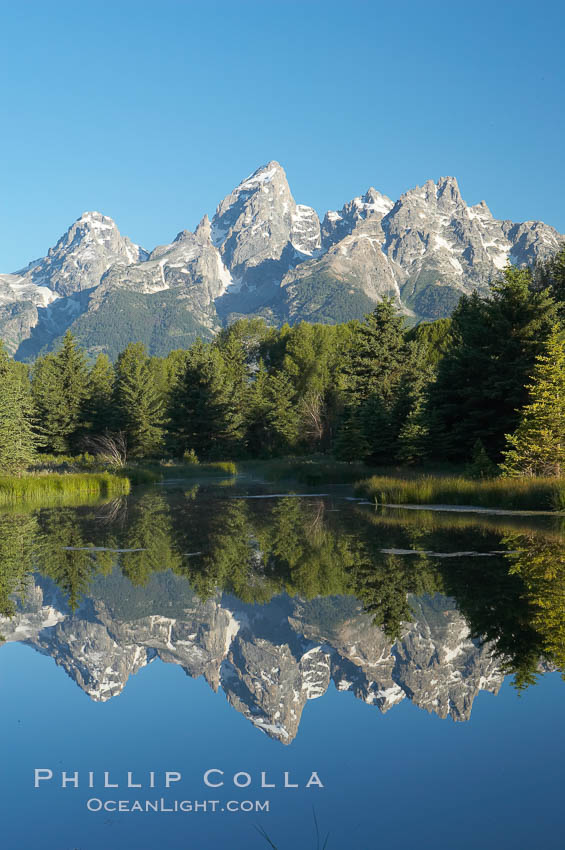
(486, 386)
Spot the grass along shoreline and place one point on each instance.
(59, 489)
(527, 494)
(69, 483)
(437, 485)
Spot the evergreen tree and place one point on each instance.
(382, 585)
(148, 540)
(413, 438)
(235, 368)
(18, 440)
(282, 416)
(537, 447)
(434, 338)
(379, 355)
(551, 275)
(62, 552)
(206, 411)
(481, 465)
(384, 375)
(380, 429)
(257, 435)
(351, 443)
(480, 384)
(59, 388)
(139, 405)
(98, 408)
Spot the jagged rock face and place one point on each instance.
(261, 232)
(259, 222)
(337, 225)
(80, 257)
(199, 642)
(439, 248)
(269, 660)
(433, 239)
(435, 663)
(356, 263)
(264, 254)
(20, 301)
(89, 654)
(441, 668)
(17, 321)
(264, 682)
(531, 241)
(190, 266)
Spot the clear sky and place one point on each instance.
(151, 112)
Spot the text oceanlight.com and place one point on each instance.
(185, 806)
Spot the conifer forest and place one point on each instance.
(483, 390)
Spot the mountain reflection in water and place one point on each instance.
(274, 599)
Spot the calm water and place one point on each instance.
(400, 668)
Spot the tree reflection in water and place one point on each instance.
(510, 586)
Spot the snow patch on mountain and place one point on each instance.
(14, 288)
(305, 231)
(262, 175)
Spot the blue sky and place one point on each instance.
(152, 111)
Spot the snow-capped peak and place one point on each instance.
(373, 202)
(96, 219)
(264, 174)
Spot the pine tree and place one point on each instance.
(206, 412)
(551, 275)
(434, 338)
(139, 405)
(537, 447)
(64, 556)
(18, 440)
(59, 388)
(480, 384)
(350, 443)
(379, 355)
(384, 376)
(256, 407)
(98, 408)
(481, 465)
(234, 357)
(282, 416)
(379, 428)
(413, 439)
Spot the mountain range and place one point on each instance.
(269, 660)
(262, 254)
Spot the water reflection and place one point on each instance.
(274, 599)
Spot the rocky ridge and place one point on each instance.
(264, 254)
(269, 660)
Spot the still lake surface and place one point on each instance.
(405, 663)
